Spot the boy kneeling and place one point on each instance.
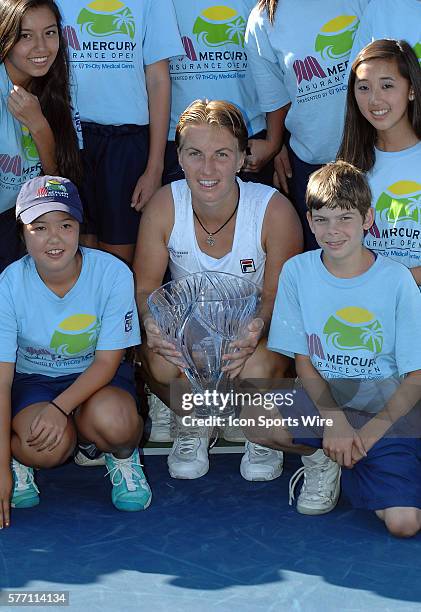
(352, 321)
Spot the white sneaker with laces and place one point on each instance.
(261, 463)
(188, 458)
(320, 491)
(160, 416)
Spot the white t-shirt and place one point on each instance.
(215, 64)
(364, 328)
(395, 181)
(109, 45)
(51, 335)
(302, 58)
(246, 258)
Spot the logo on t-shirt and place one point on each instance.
(247, 266)
(333, 43)
(398, 209)
(107, 17)
(214, 48)
(76, 335)
(128, 321)
(108, 20)
(353, 337)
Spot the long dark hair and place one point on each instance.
(52, 90)
(269, 6)
(359, 136)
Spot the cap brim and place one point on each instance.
(29, 215)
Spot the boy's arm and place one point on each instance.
(339, 439)
(158, 85)
(6, 378)
(402, 401)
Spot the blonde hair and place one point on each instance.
(219, 113)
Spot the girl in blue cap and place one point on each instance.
(68, 314)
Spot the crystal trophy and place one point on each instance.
(201, 314)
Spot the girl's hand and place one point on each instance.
(25, 107)
(47, 429)
(6, 486)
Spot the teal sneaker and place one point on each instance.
(131, 491)
(25, 491)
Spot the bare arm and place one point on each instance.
(340, 440)
(47, 428)
(402, 401)
(6, 379)
(158, 85)
(282, 238)
(26, 108)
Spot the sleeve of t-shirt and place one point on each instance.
(8, 323)
(363, 35)
(264, 65)
(161, 26)
(119, 322)
(408, 325)
(286, 334)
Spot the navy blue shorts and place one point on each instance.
(11, 246)
(297, 188)
(114, 157)
(30, 389)
(389, 476)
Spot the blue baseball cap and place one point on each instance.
(44, 194)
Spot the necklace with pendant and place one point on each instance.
(210, 239)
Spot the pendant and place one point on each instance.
(210, 240)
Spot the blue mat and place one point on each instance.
(217, 543)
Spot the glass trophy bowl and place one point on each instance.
(201, 314)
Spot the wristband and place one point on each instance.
(58, 408)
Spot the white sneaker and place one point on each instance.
(188, 457)
(160, 416)
(89, 456)
(320, 491)
(233, 433)
(261, 463)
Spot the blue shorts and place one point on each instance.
(114, 157)
(30, 389)
(297, 187)
(390, 475)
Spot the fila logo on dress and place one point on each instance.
(247, 266)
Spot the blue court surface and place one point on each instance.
(217, 543)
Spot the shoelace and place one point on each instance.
(313, 482)
(188, 443)
(260, 451)
(24, 477)
(125, 469)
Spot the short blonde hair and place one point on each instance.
(215, 112)
(339, 185)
